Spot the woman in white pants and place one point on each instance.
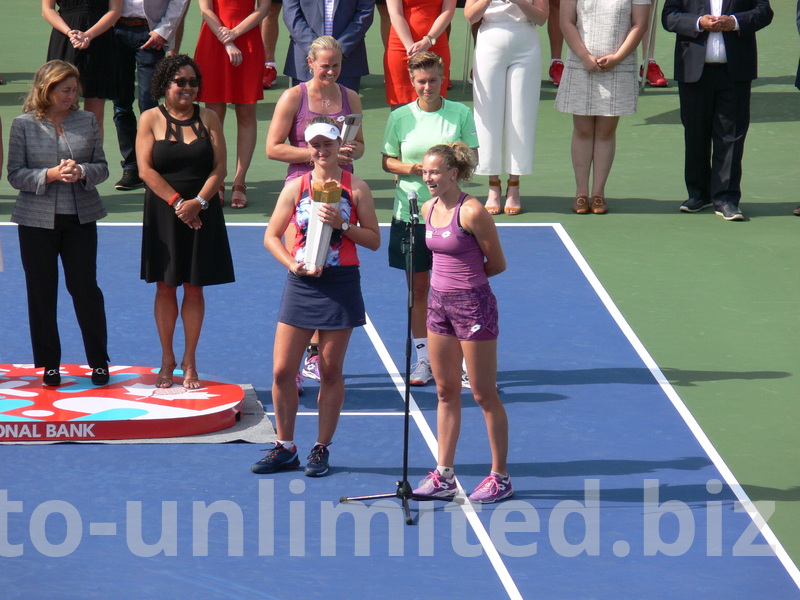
(507, 73)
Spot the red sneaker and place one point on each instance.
(269, 77)
(556, 71)
(655, 76)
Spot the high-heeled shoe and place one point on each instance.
(512, 210)
(238, 197)
(492, 209)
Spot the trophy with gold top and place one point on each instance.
(318, 236)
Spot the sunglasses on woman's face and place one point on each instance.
(182, 82)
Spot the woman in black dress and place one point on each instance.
(82, 35)
(180, 149)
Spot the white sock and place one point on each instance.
(270, 64)
(421, 346)
(288, 444)
(446, 472)
(500, 475)
(554, 60)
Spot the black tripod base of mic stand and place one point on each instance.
(404, 493)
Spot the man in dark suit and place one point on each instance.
(715, 64)
(348, 22)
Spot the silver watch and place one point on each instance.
(345, 226)
(203, 202)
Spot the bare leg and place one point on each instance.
(193, 310)
(512, 195)
(332, 350)
(246, 133)
(649, 37)
(605, 144)
(481, 359)
(582, 148)
(165, 309)
(96, 106)
(386, 24)
(653, 74)
(493, 197)
(270, 30)
(421, 283)
(554, 30)
(288, 350)
(220, 108)
(445, 353)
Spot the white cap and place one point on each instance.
(324, 129)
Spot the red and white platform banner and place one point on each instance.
(128, 407)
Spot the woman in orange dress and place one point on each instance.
(230, 55)
(416, 25)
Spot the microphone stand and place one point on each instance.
(404, 491)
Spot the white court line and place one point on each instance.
(430, 439)
(346, 413)
(683, 411)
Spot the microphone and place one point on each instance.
(412, 206)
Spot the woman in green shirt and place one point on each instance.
(410, 131)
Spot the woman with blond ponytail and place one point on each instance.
(462, 317)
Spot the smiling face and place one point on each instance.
(326, 66)
(186, 94)
(324, 151)
(437, 176)
(62, 96)
(427, 84)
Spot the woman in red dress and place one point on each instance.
(230, 55)
(416, 25)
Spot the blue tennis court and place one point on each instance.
(618, 492)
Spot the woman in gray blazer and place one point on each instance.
(56, 160)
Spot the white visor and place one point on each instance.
(324, 129)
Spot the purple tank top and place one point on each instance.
(457, 257)
(303, 116)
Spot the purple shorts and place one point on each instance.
(470, 315)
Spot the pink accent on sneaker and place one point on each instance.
(492, 489)
(436, 485)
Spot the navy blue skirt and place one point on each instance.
(331, 301)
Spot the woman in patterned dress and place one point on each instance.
(598, 86)
(326, 299)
